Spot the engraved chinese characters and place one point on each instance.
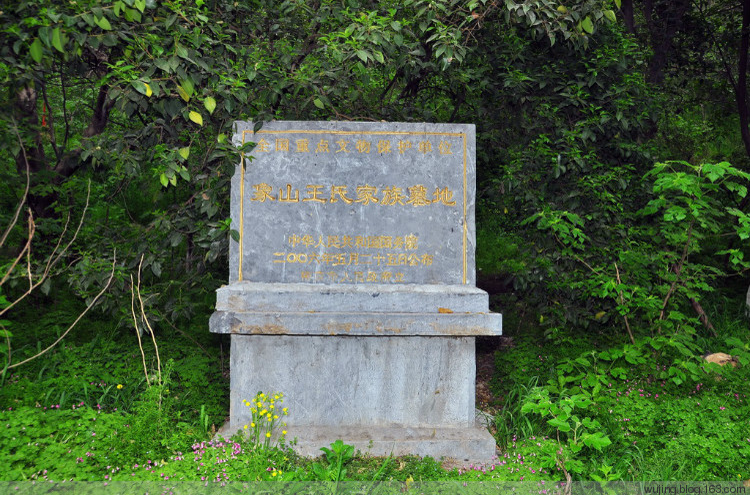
(354, 203)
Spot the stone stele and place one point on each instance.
(352, 285)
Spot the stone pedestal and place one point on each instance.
(389, 369)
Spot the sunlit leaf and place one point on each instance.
(103, 23)
(210, 104)
(196, 117)
(587, 25)
(142, 87)
(183, 94)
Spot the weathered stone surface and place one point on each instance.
(378, 309)
(366, 203)
(352, 285)
(275, 297)
(349, 323)
(357, 381)
(474, 444)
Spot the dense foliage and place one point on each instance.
(613, 172)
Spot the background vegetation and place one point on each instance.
(613, 167)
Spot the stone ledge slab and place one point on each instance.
(357, 324)
(470, 444)
(411, 298)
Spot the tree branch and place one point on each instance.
(72, 325)
(26, 190)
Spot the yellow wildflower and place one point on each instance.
(274, 473)
(252, 425)
(275, 417)
(119, 386)
(268, 435)
(283, 432)
(245, 427)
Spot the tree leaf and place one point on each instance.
(587, 25)
(142, 87)
(362, 55)
(187, 85)
(610, 14)
(103, 23)
(210, 104)
(36, 50)
(57, 40)
(618, 3)
(163, 180)
(318, 103)
(183, 94)
(140, 5)
(561, 425)
(596, 440)
(184, 152)
(196, 117)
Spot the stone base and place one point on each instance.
(388, 369)
(475, 445)
(413, 382)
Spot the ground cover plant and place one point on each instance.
(616, 412)
(86, 413)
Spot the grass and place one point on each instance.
(84, 412)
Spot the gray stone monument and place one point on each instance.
(352, 285)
